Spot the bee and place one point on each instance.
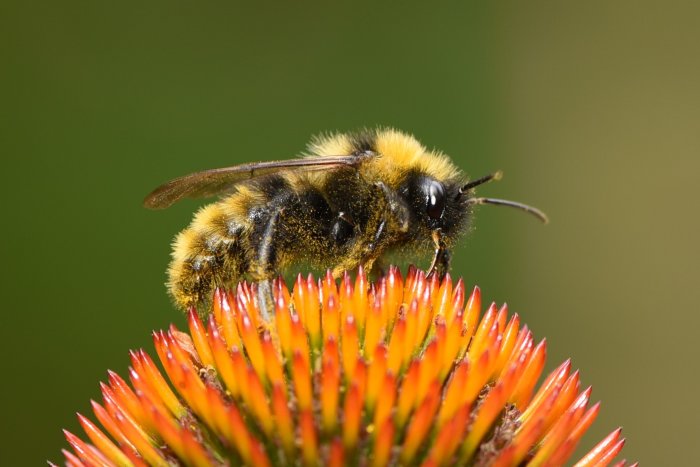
(349, 201)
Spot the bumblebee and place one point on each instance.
(348, 202)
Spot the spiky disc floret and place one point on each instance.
(402, 371)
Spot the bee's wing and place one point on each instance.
(217, 181)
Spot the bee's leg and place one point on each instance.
(266, 300)
(392, 219)
(379, 268)
(266, 256)
(395, 208)
(441, 257)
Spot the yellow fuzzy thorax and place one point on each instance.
(398, 153)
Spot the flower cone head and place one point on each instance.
(407, 370)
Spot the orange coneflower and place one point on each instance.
(402, 371)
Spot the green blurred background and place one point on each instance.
(591, 110)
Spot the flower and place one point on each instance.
(402, 371)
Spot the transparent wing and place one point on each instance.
(217, 181)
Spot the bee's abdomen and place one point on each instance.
(208, 254)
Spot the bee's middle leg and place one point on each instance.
(265, 270)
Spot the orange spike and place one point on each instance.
(72, 460)
(127, 399)
(453, 393)
(196, 453)
(253, 347)
(222, 359)
(240, 371)
(510, 337)
(103, 443)
(216, 304)
(85, 453)
(383, 443)
(218, 412)
(411, 331)
(582, 425)
(519, 447)
(472, 311)
(420, 424)
(450, 343)
(336, 455)
(330, 386)
(136, 438)
(374, 329)
(142, 389)
(375, 376)
(299, 298)
(442, 299)
(557, 435)
(258, 456)
(345, 292)
(485, 416)
(361, 378)
(154, 379)
(241, 437)
(566, 397)
(228, 320)
(352, 411)
(385, 403)
(302, 382)
(309, 448)
(531, 373)
(273, 366)
(312, 311)
(113, 407)
(460, 430)
(485, 333)
(397, 345)
(408, 393)
(283, 420)
(283, 325)
(300, 343)
(457, 304)
(554, 380)
(478, 376)
(351, 347)
(447, 438)
(428, 371)
(258, 402)
(392, 296)
(169, 431)
(423, 320)
(328, 289)
(331, 318)
(360, 298)
(199, 338)
(110, 425)
(604, 451)
(194, 391)
(540, 416)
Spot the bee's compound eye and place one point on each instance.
(436, 200)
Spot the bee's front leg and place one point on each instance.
(441, 257)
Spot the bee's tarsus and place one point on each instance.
(266, 300)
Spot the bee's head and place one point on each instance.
(435, 205)
(445, 206)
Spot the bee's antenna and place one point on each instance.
(513, 204)
(480, 181)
